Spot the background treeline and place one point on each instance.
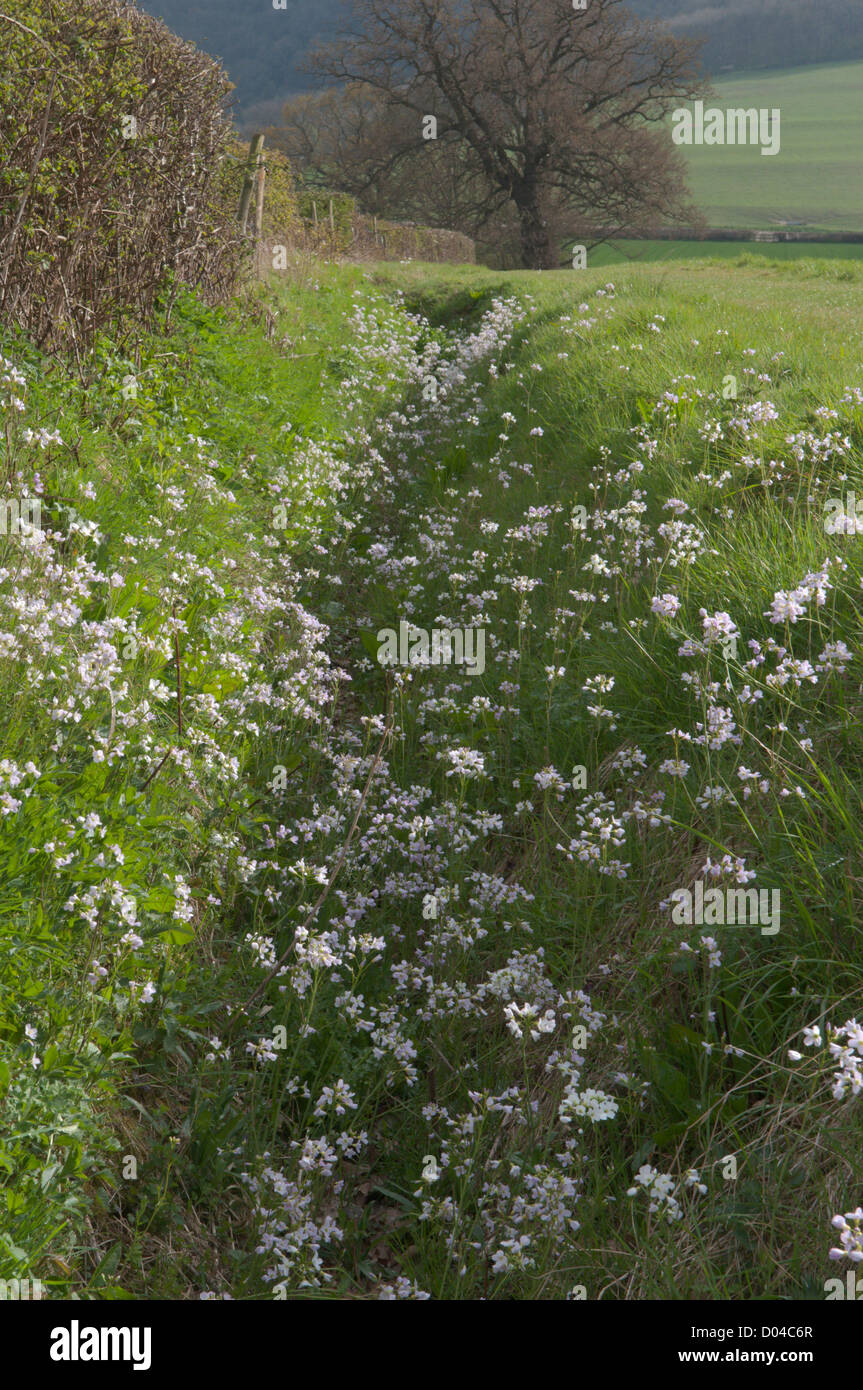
(745, 34)
(263, 49)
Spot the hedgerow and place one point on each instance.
(114, 142)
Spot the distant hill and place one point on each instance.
(263, 48)
(817, 181)
(747, 34)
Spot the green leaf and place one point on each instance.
(405, 1202)
(108, 1264)
(48, 1175)
(682, 1039)
(370, 642)
(160, 899)
(178, 936)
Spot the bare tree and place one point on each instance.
(351, 138)
(535, 107)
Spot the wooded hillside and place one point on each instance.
(264, 48)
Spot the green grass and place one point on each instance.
(397, 504)
(752, 1239)
(622, 253)
(189, 526)
(815, 180)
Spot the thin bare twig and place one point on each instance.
(34, 168)
(157, 769)
(179, 676)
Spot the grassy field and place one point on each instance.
(622, 253)
(815, 180)
(326, 980)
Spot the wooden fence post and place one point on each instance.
(249, 179)
(259, 204)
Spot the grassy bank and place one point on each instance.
(153, 645)
(328, 980)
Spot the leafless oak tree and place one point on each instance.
(552, 113)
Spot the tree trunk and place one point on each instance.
(538, 251)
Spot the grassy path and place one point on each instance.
(479, 1058)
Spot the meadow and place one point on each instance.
(622, 253)
(322, 979)
(816, 179)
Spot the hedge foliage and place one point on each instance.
(344, 210)
(116, 162)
